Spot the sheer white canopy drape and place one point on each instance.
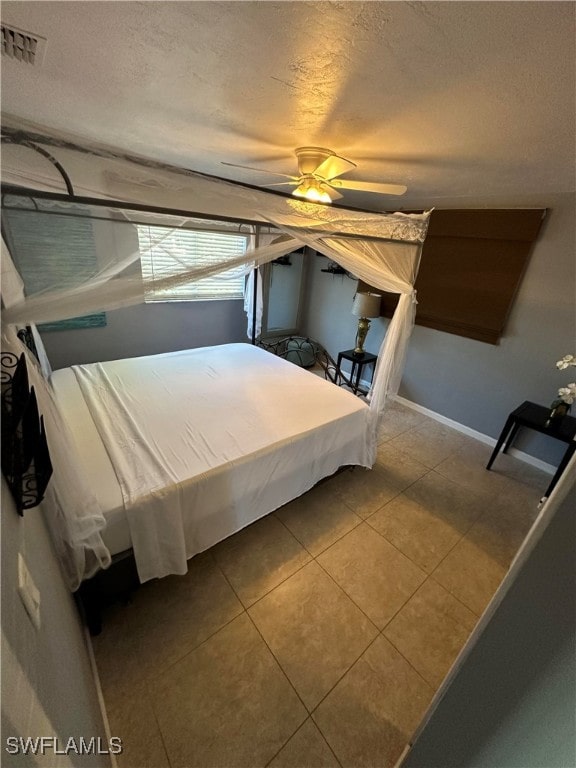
(72, 512)
(392, 267)
(381, 249)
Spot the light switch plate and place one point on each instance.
(28, 591)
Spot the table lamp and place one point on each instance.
(365, 306)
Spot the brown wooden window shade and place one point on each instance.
(471, 267)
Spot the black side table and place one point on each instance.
(535, 417)
(358, 363)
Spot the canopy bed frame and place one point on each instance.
(382, 249)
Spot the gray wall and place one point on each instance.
(513, 702)
(47, 683)
(148, 329)
(475, 383)
(144, 329)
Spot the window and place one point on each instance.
(52, 250)
(165, 252)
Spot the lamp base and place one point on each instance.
(363, 328)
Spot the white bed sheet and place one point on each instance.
(94, 459)
(193, 446)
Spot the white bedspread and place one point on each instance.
(205, 441)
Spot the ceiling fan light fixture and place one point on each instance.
(300, 191)
(324, 197)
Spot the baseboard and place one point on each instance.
(404, 754)
(521, 455)
(96, 676)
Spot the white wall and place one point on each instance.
(475, 383)
(47, 683)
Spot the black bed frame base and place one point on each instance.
(114, 584)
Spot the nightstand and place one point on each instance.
(535, 417)
(358, 363)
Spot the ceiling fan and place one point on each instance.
(318, 172)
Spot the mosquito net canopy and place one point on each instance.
(113, 267)
(381, 249)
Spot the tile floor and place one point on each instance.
(317, 636)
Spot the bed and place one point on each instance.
(186, 448)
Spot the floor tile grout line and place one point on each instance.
(245, 608)
(283, 581)
(356, 606)
(326, 741)
(400, 492)
(341, 588)
(164, 670)
(489, 500)
(419, 423)
(314, 556)
(433, 687)
(428, 578)
(299, 568)
(410, 597)
(343, 591)
(309, 718)
(452, 548)
(482, 495)
(493, 495)
(458, 600)
(391, 499)
(414, 563)
(285, 675)
(429, 573)
(162, 739)
(380, 631)
(354, 662)
(404, 604)
(448, 456)
(342, 676)
(244, 611)
(460, 538)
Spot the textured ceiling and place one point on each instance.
(461, 101)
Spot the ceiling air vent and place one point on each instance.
(22, 46)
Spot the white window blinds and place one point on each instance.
(164, 253)
(52, 250)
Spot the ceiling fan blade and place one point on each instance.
(260, 170)
(333, 166)
(366, 186)
(334, 194)
(284, 183)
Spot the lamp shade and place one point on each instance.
(366, 305)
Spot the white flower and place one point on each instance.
(566, 362)
(568, 394)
